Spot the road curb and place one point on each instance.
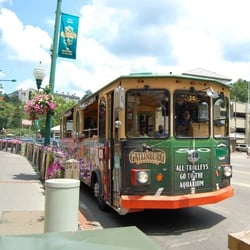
(84, 224)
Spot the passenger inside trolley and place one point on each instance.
(161, 132)
(143, 130)
(183, 125)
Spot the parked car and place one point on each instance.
(248, 151)
(53, 142)
(27, 140)
(242, 147)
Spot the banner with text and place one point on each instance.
(68, 36)
(26, 122)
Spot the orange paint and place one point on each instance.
(175, 202)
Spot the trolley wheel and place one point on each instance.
(98, 194)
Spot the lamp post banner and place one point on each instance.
(68, 36)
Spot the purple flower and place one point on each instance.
(55, 170)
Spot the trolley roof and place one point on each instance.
(156, 75)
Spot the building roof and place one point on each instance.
(208, 74)
(56, 128)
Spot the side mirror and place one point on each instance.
(119, 98)
(118, 124)
(212, 93)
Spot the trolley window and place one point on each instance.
(221, 114)
(191, 114)
(147, 113)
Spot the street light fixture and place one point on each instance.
(39, 74)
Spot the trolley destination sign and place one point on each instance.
(191, 175)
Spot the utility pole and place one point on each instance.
(53, 70)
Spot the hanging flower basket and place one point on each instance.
(39, 105)
(33, 116)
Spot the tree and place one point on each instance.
(61, 107)
(87, 94)
(239, 91)
(5, 110)
(11, 112)
(16, 117)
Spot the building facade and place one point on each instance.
(23, 95)
(240, 122)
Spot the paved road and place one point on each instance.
(201, 228)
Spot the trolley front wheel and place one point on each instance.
(98, 194)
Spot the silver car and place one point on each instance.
(242, 147)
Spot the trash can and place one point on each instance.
(61, 205)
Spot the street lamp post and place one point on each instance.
(55, 47)
(52, 70)
(39, 74)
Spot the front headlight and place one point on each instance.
(142, 177)
(227, 171)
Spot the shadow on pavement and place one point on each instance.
(26, 177)
(152, 222)
(174, 222)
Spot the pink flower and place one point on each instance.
(40, 104)
(52, 105)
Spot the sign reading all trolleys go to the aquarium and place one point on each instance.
(191, 173)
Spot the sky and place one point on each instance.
(117, 37)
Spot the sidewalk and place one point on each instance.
(22, 198)
(22, 202)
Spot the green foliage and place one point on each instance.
(87, 94)
(12, 113)
(239, 91)
(16, 117)
(6, 109)
(61, 107)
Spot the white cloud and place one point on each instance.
(28, 83)
(118, 37)
(26, 43)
